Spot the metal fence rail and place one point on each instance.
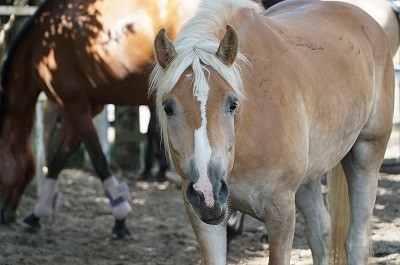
(17, 10)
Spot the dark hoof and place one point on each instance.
(7, 216)
(160, 177)
(264, 239)
(120, 230)
(31, 224)
(145, 176)
(231, 233)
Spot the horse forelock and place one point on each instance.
(196, 47)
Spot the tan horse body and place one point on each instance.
(317, 86)
(385, 14)
(82, 54)
(382, 11)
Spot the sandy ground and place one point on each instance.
(79, 232)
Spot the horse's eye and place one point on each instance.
(232, 107)
(168, 110)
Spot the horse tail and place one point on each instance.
(339, 207)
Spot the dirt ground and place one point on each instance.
(79, 232)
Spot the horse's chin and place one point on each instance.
(212, 216)
(216, 221)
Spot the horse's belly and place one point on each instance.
(327, 153)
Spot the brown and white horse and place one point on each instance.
(253, 107)
(82, 54)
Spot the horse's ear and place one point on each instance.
(164, 49)
(228, 48)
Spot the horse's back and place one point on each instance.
(329, 68)
(383, 12)
(98, 51)
(114, 39)
(335, 36)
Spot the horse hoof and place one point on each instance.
(120, 230)
(264, 239)
(231, 233)
(145, 176)
(7, 217)
(161, 177)
(31, 224)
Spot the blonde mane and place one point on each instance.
(196, 47)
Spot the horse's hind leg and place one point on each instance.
(310, 202)
(361, 166)
(118, 193)
(61, 142)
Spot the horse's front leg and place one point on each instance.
(80, 115)
(310, 202)
(61, 142)
(211, 238)
(280, 216)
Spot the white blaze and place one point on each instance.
(202, 153)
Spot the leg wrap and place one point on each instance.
(49, 199)
(119, 196)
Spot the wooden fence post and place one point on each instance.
(127, 151)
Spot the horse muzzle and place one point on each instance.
(210, 214)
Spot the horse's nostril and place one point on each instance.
(194, 197)
(223, 193)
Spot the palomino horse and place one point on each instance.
(82, 54)
(249, 119)
(387, 16)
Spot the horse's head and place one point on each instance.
(197, 116)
